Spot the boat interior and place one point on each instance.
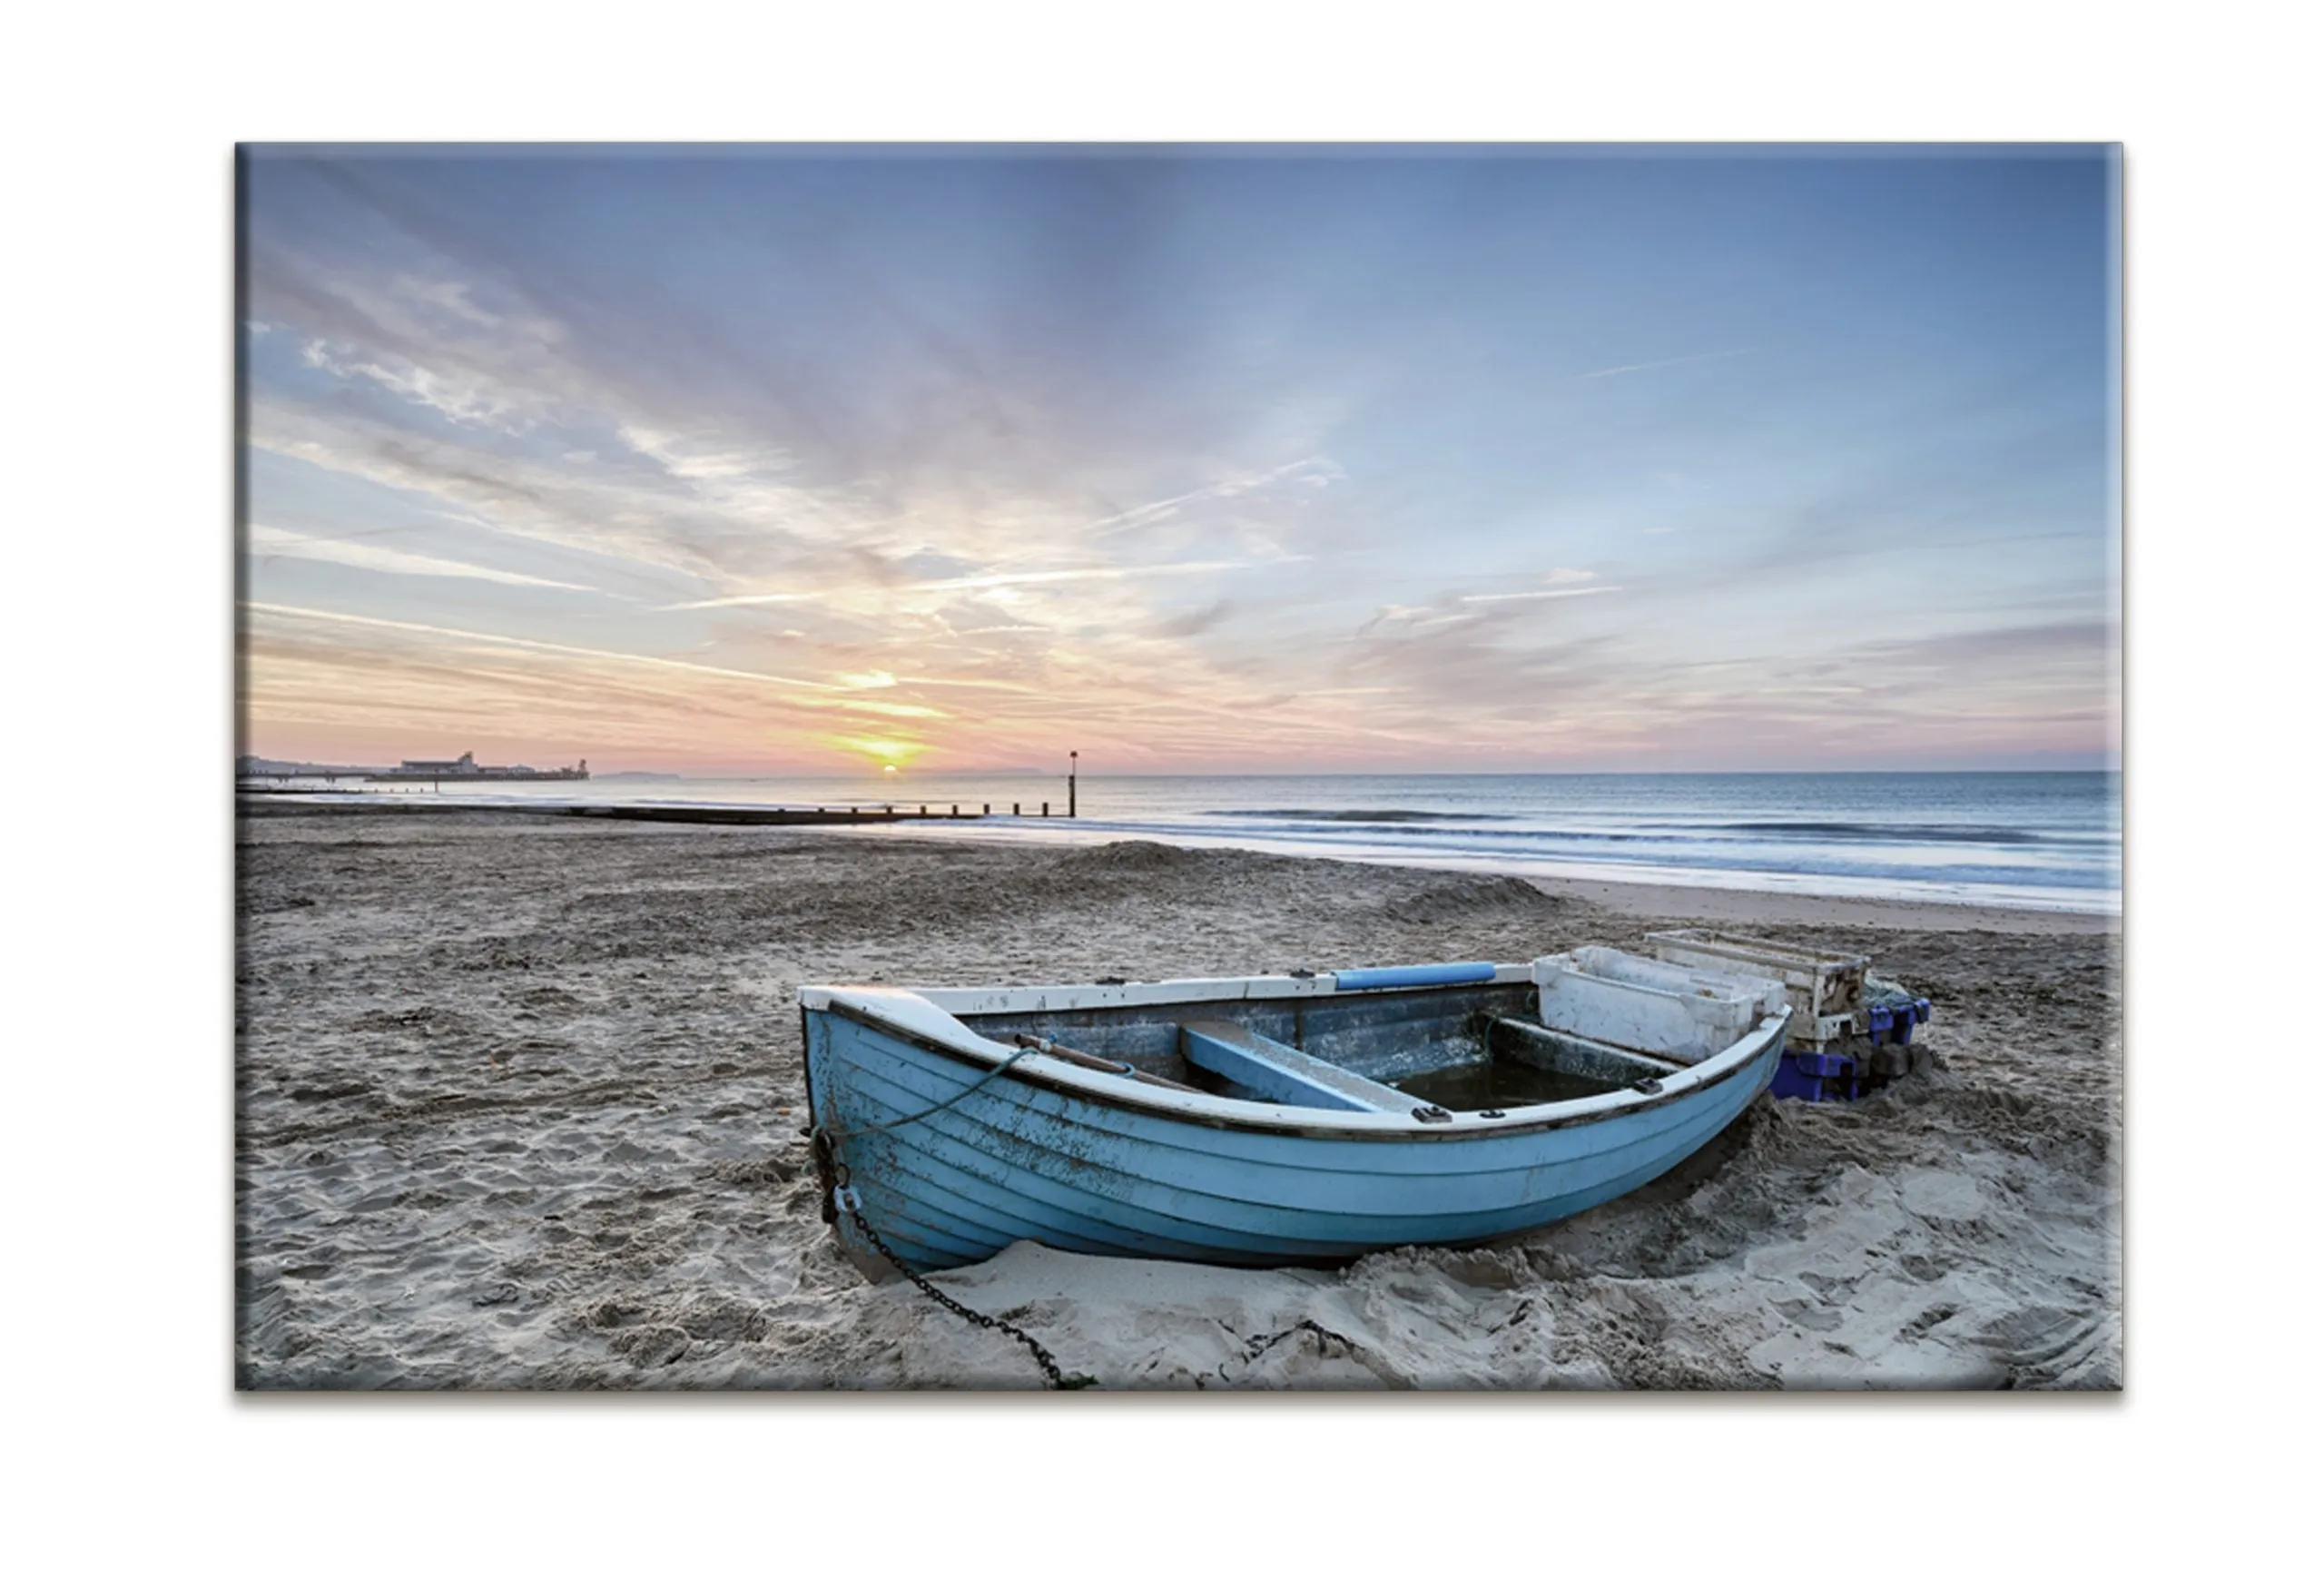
(1451, 1048)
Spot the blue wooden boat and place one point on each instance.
(1270, 1120)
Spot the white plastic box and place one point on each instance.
(1827, 989)
(1668, 1011)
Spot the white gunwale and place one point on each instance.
(925, 1018)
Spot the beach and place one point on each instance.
(519, 1106)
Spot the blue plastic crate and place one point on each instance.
(1814, 1076)
(1894, 1023)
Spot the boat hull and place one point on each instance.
(1023, 1156)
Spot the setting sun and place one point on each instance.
(892, 752)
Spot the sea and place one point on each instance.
(2036, 841)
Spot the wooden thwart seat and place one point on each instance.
(1283, 1073)
(1556, 1050)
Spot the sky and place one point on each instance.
(1193, 460)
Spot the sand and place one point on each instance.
(519, 1107)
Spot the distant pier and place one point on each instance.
(466, 769)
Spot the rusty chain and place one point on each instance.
(840, 1195)
(1057, 1376)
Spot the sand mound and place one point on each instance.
(1471, 896)
(1129, 855)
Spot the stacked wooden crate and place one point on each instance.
(1850, 1030)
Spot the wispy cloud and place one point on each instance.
(1314, 471)
(1082, 574)
(1558, 583)
(610, 657)
(1417, 617)
(466, 401)
(1193, 623)
(1664, 364)
(732, 600)
(1540, 594)
(268, 540)
(867, 593)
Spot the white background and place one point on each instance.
(117, 571)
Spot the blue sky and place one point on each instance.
(1196, 460)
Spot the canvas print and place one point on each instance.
(1136, 768)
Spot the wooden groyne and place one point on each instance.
(247, 778)
(763, 816)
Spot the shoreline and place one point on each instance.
(1699, 904)
(1693, 901)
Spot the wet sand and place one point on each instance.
(518, 1106)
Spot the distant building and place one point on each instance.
(467, 765)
